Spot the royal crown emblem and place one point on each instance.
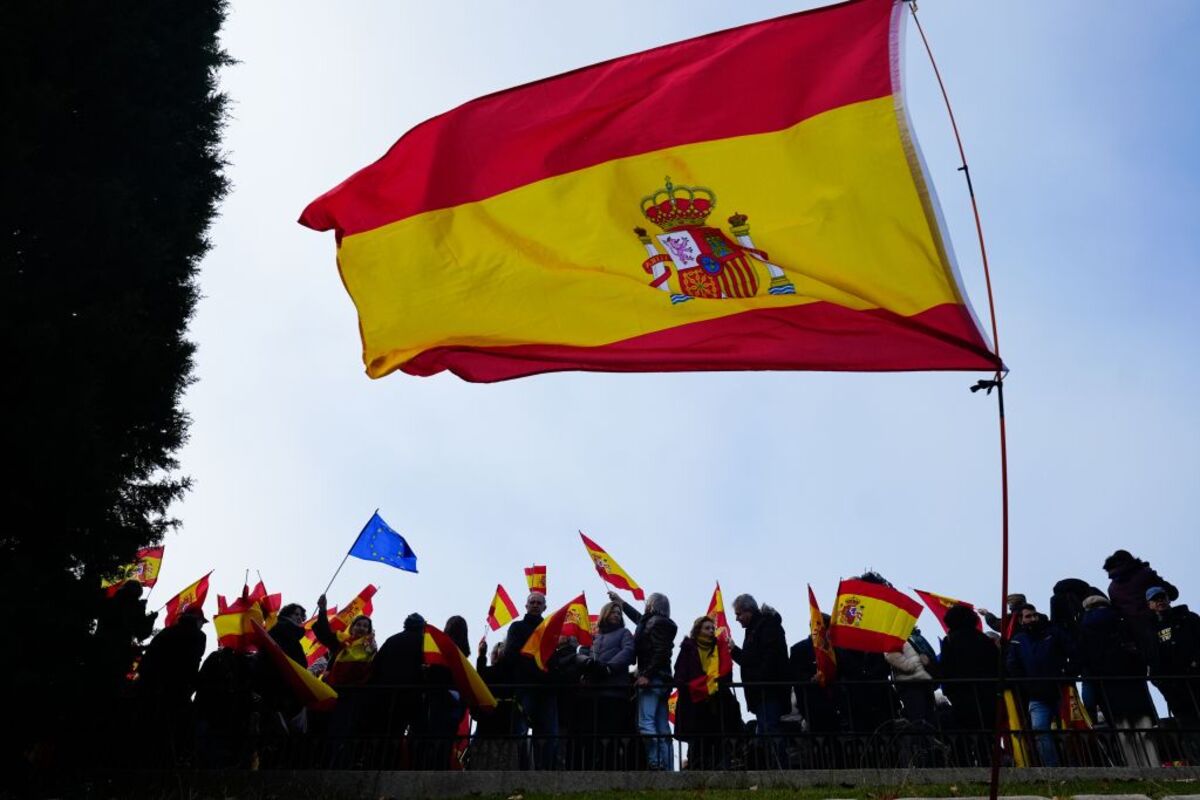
(851, 612)
(707, 262)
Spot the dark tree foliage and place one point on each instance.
(112, 174)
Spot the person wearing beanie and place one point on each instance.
(1130, 578)
(396, 671)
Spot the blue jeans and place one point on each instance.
(1041, 715)
(541, 713)
(654, 724)
(767, 717)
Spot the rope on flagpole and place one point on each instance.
(996, 383)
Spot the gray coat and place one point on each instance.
(613, 651)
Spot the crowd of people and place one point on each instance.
(1074, 676)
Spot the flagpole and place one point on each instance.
(347, 558)
(996, 383)
(339, 569)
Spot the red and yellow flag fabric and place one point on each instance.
(872, 617)
(308, 689)
(360, 606)
(750, 199)
(235, 629)
(717, 664)
(716, 612)
(440, 650)
(502, 610)
(822, 649)
(191, 597)
(672, 702)
(566, 621)
(144, 570)
(313, 649)
(609, 570)
(535, 578)
(939, 604)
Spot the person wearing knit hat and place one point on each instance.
(1131, 577)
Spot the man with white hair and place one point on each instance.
(763, 658)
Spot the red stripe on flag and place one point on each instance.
(815, 336)
(635, 104)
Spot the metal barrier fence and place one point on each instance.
(1092, 722)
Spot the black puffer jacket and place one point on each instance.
(653, 643)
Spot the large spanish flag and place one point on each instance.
(439, 649)
(306, 687)
(570, 620)
(608, 568)
(872, 617)
(750, 199)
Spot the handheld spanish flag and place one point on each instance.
(716, 612)
(144, 570)
(313, 649)
(535, 578)
(672, 702)
(716, 664)
(440, 649)
(940, 604)
(604, 218)
(308, 688)
(191, 597)
(360, 606)
(872, 617)
(822, 649)
(502, 610)
(566, 621)
(235, 629)
(609, 570)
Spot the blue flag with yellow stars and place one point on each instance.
(378, 542)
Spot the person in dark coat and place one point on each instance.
(1170, 637)
(1014, 602)
(653, 643)
(491, 746)
(1041, 652)
(121, 624)
(289, 630)
(166, 680)
(1107, 647)
(763, 658)
(228, 709)
(814, 701)
(1066, 604)
(1131, 577)
(968, 667)
(565, 672)
(537, 708)
(397, 672)
(706, 712)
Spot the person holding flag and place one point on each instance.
(706, 711)
(968, 668)
(350, 652)
(536, 705)
(653, 643)
(166, 680)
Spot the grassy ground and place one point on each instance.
(1052, 789)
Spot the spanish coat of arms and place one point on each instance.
(707, 262)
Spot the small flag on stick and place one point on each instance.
(535, 578)
(191, 597)
(502, 610)
(610, 571)
(144, 570)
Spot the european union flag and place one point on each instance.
(378, 542)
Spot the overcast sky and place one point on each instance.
(1081, 128)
